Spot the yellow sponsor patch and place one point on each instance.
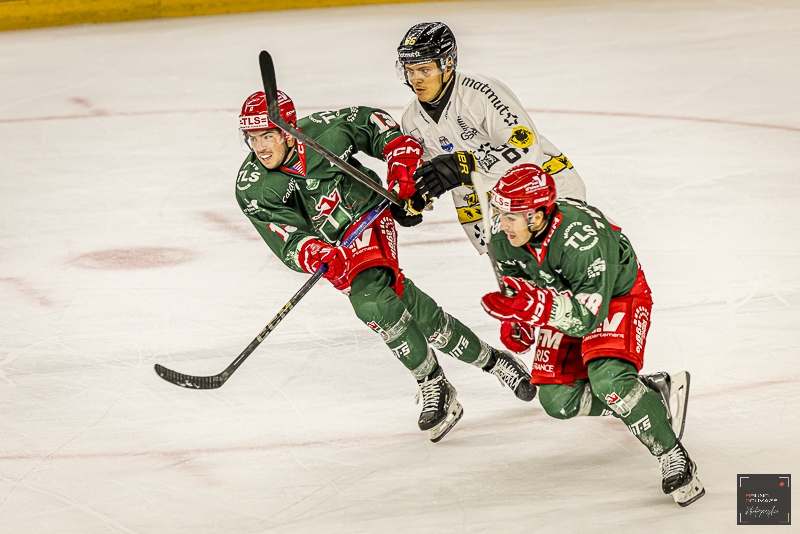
(521, 137)
(556, 164)
(469, 214)
(472, 211)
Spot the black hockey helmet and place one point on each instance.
(425, 42)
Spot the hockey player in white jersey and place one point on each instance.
(467, 122)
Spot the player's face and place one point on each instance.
(515, 225)
(426, 79)
(269, 146)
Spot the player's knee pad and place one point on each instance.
(378, 306)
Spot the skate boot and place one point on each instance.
(674, 392)
(511, 372)
(440, 409)
(679, 476)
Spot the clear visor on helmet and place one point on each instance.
(514, 221)
(408, 70)
(266, 138)
(243, 141)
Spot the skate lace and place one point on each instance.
(672, 463)
(506, 373)
(430, 393)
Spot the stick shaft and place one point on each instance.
(271, 92)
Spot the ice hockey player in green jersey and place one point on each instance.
(303, 207)
(576, 280)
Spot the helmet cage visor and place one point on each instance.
(444, 62)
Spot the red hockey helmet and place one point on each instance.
(525, 187)
(254, 112)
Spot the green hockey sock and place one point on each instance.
(443, 331)
(616, 382)
(379, 307)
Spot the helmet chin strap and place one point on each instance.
(529, 220)
(289, 152)
(536, 235)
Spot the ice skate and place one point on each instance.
(511, 372)
(679, 476)
(440, 409)
(674, 392)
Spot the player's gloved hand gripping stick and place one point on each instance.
(271, 92)
(270, 89)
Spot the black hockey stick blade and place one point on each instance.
(192, 382)
(215, 381)
(271, 93)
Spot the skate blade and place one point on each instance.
(689, 493)
(679, 400)
(454, 415)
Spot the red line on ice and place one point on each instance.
(102, 113)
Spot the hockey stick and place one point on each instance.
(215, 381)
(483, 193)
(271, 92)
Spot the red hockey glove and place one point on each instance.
(516, 344)
(313, 253)
(402, 158)
(530, 304)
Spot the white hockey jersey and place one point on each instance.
(484, 117)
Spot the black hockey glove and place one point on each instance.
(444, 173)
(415, 205)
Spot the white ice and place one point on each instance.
(119, 149)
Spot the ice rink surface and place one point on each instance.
(121, 246)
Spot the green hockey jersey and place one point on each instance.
(582, 255)
(308, 197)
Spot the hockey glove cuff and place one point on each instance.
(519, 344)
(315, 253)
(402, 157)
(530, 304)
(444, 173)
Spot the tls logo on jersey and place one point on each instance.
(326, 205)
(521, 137)
(582, 238)
(447, 146)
